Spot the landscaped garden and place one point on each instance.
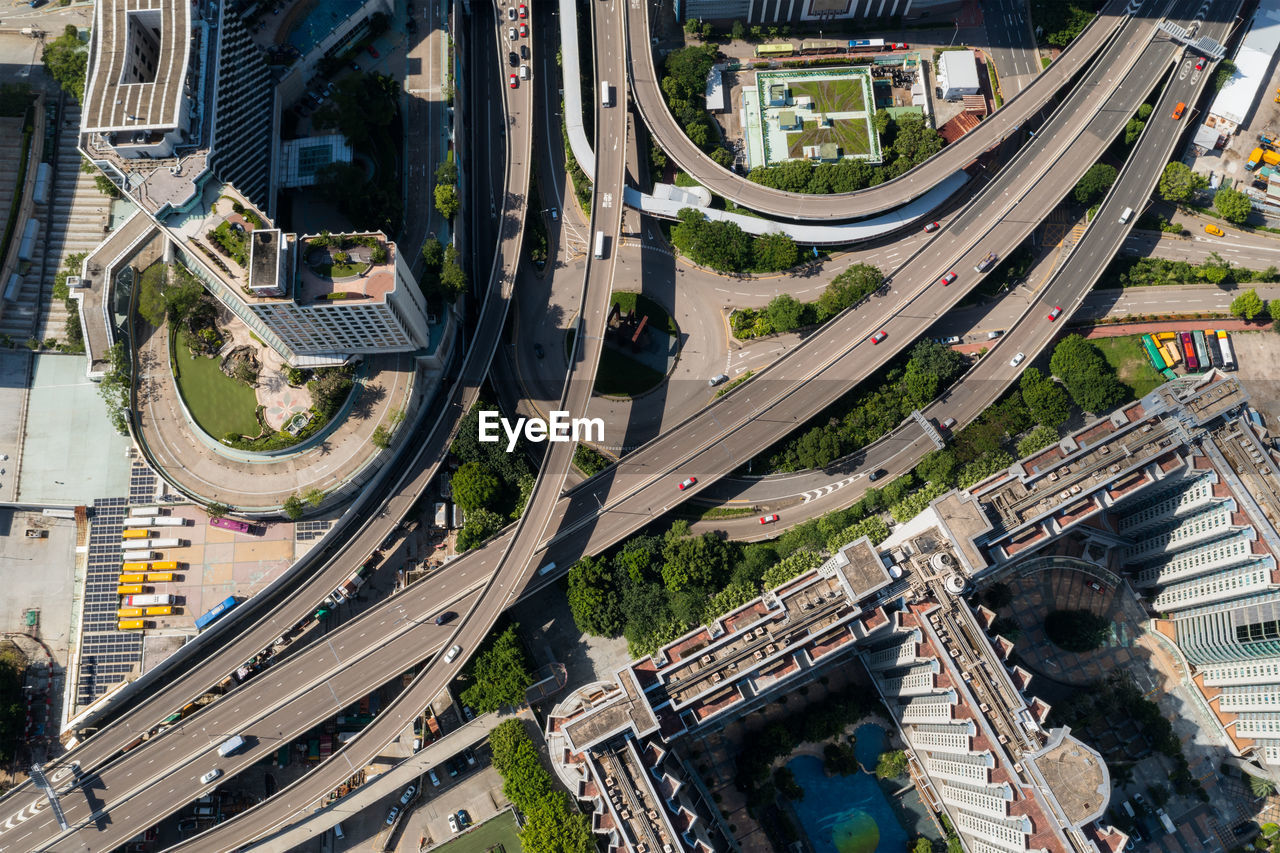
(219, 404)
(338, 257)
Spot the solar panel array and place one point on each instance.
(309, 531)
(142, 484)
(106, 654)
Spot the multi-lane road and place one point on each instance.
(604, 510)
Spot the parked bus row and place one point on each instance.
(815, 47)
(1197, 350)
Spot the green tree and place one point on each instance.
(499, 674)
(1077, 630)
(1178, 183)
(892, 764)
(66, 58)
(475, 486)
(922, 845)
(724, 157)
(314, 497)
(552, 826)
(1038, 439)
(447, 203)
(1261, 786)
(1095, 183)
(381, 437)
(217, 510)
(480, 525)
(1144, 111)
(432, 253)
(453, 278)
(1045, 399)
(774, 252)
(293, 507)
(738, 31)
(720, 245)
(1248, 305)
(938, 467)
(594, 599)
(1133, 129)
(1234, 205)
(115, 387)
(849, 288)
(1091, 382)
(693, 561)
(785, 312)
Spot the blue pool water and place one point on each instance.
(868, 742)
(323, 18)
(845, 814)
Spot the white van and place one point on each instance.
(524, 72)
(599, 244)
(606, 94)
(230, 745)
(1124, 217)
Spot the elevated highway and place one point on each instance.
(891, 194)
(708, 445)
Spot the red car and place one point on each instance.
(948, 278)
(931, 227)
(1056, 312)
(524, 31)
(688, 483)
(898, 45)
(524, 11)
(515, 81)
(768, 519)
(1200, 64)
(373, 51)
(879, 336)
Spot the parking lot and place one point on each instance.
(476, 789)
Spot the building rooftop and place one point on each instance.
(141, 50)
(1077, 776)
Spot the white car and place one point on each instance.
(453, 823)
(452, 653)
(511, 33)
(210, 776)
(1017, 359)
(407, 795)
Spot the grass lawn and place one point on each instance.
(218, 403)
(1126, 355)
(839, 95)
(499, 834)
(329, 270)
(658, 317)
(852, 135)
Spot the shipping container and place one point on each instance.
(129, 589)
(216, 612)
(131, 624)
(136, 534)
(163, 610)
(137, 556)
(155, 521)
(159, 577)
(147, 600)
(151, 511)
(129, 612)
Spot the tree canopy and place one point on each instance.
(499, 674)
(475, 486)
(1090, 380)
(66, 58)
(1077, 630)
(1248, 305)
(594, 599)
(774, 252)
(1234, 205)
(1046, 400)
(552, 825)
(1093, 185)
(717, 244)
(1178, 183)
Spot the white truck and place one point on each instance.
(606, 94)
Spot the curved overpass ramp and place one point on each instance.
(873, 200)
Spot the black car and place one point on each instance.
(512, 59)
(452, 766)
(524, 51)
(539, 351)
(875, 475)
(446, 616)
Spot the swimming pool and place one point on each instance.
(868, 742)
(845, 814)
(322, 19)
